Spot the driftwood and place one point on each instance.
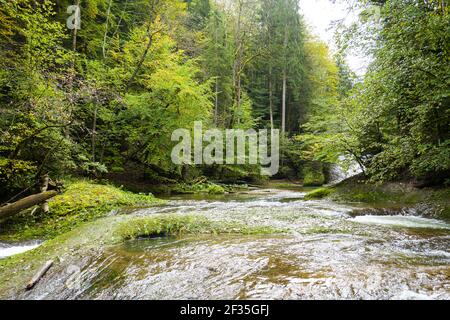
(38, 276)
(25, 203)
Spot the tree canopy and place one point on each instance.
(91, 100)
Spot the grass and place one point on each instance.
(82, 201)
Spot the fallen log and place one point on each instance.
(38, 276)
(25, 203)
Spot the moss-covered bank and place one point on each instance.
(179, 225)
(82, 201)
(396, 194)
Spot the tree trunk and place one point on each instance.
(25, 203)
(271, 98)
(150, 36)
(216, 96)
(283, 107)
(94, 129)
(75, 31)
(238, 66)
(216, 103)
(143, 57)
(44, 187)
(106, 29)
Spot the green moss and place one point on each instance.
(319, 193)
(284, 184)
(313, 175)
(398, 194)
(82, 201)
(178, 225)
(92, 237)
(210, 188)
(444, 212)
(17, 270)
(216, 189)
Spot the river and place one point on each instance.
(326, 253)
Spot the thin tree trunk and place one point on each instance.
(149, 44)
(271, 98)
(269, 44)
(216, 102)
(44, 187)
(75, 31)
(120, 20)
(142, 59)
(106, 29)
(283, 108)
(102, 152)
(237, 65)
(94, 132)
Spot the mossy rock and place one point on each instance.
(210, 188)
(358, 189)
(175, 225)
(319, 193)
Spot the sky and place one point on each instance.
(319, 15)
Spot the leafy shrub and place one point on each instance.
(313, 175)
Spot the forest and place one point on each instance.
(92, 90)
(103, 99)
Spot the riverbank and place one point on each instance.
(82, 201)
(432, 202)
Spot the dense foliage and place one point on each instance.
(395, 122)
(94, 100)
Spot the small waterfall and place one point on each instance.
(8, 249)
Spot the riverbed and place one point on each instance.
(324, 252)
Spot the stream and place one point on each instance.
(326, 253)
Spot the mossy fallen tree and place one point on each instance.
(25, 203)
(81, 201)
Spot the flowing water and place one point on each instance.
(326, 253)
(11, 249)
